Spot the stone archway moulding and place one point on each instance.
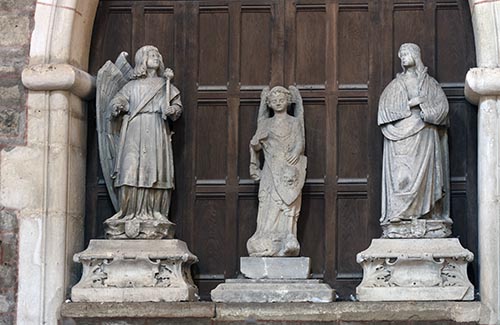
(44, 180)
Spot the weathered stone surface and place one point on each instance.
(10, 93)
(281, 138)
(250, 290)
(8, 276)
(275, 267)
(413, 117)
(15, 30)
(9, 121)
(138, 309)
(8, 220)
(135, 270)
(8, 5)
(369, 312)
(7, 302)
(415, 269)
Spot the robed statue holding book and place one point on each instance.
(413, 117)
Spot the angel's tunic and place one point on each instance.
(146, 156)
(415, 159)
(277, 219)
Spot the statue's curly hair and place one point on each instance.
(279, 90)
(141, 58)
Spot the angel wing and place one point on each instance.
(263, 110)
(299, 106)
(110, 79)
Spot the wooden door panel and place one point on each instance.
(315, 125)
(340, 54)
(311, 231)
(211, 137)
(353, 46)
(213, 52)
(451, 56)
(255, 44)
(352, 141)
(310, 42)
(156, 19)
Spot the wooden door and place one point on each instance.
(340, 54)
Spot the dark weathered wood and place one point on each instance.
(340, 54)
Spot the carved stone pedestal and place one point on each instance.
(135, 271)
(415, 269)
(274, 279)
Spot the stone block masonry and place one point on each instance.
(16, 25)
(8, 265)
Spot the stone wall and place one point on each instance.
(16, 24)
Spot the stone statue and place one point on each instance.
(282, 139)
(133, 108)
(413, 117)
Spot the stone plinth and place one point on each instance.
(135, 270)
(250, 290)
(274, 279)
(275, 267)
(415, 269)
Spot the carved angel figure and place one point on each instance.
(413, 117)
(133, 106)
(281, 138)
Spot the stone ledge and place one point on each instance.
(107, 310)
(444, 312)
(48, 77)
(482, 82)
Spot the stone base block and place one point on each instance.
(275, 267)
(250, 290)
(135, 271)
(416, 270)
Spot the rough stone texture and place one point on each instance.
(281, 138)
(415, 269)
(275, 267)
(248, 290)
(135, 270)
(9, 122)
(8, 265)
(18, 30)
(393, 313)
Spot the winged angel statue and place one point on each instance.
(282, 139)
(133, 106)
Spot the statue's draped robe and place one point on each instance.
(276, 233)
(415, 175)
(145, 168)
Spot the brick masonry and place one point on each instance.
(16, 24)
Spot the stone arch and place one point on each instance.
(53, 160)
(45, 178)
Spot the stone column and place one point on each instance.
(483, 89)
(45, 179)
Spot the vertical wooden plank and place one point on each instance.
(180, 127)
(429, 47)
(137, 26)
(191, 22)
(378, 30)
(278, 41)
(231, 225)
(290, 42)
(331, 102)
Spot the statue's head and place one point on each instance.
(409, 54)
(146, 57)
(279, 98)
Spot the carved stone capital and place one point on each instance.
(47, 77)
